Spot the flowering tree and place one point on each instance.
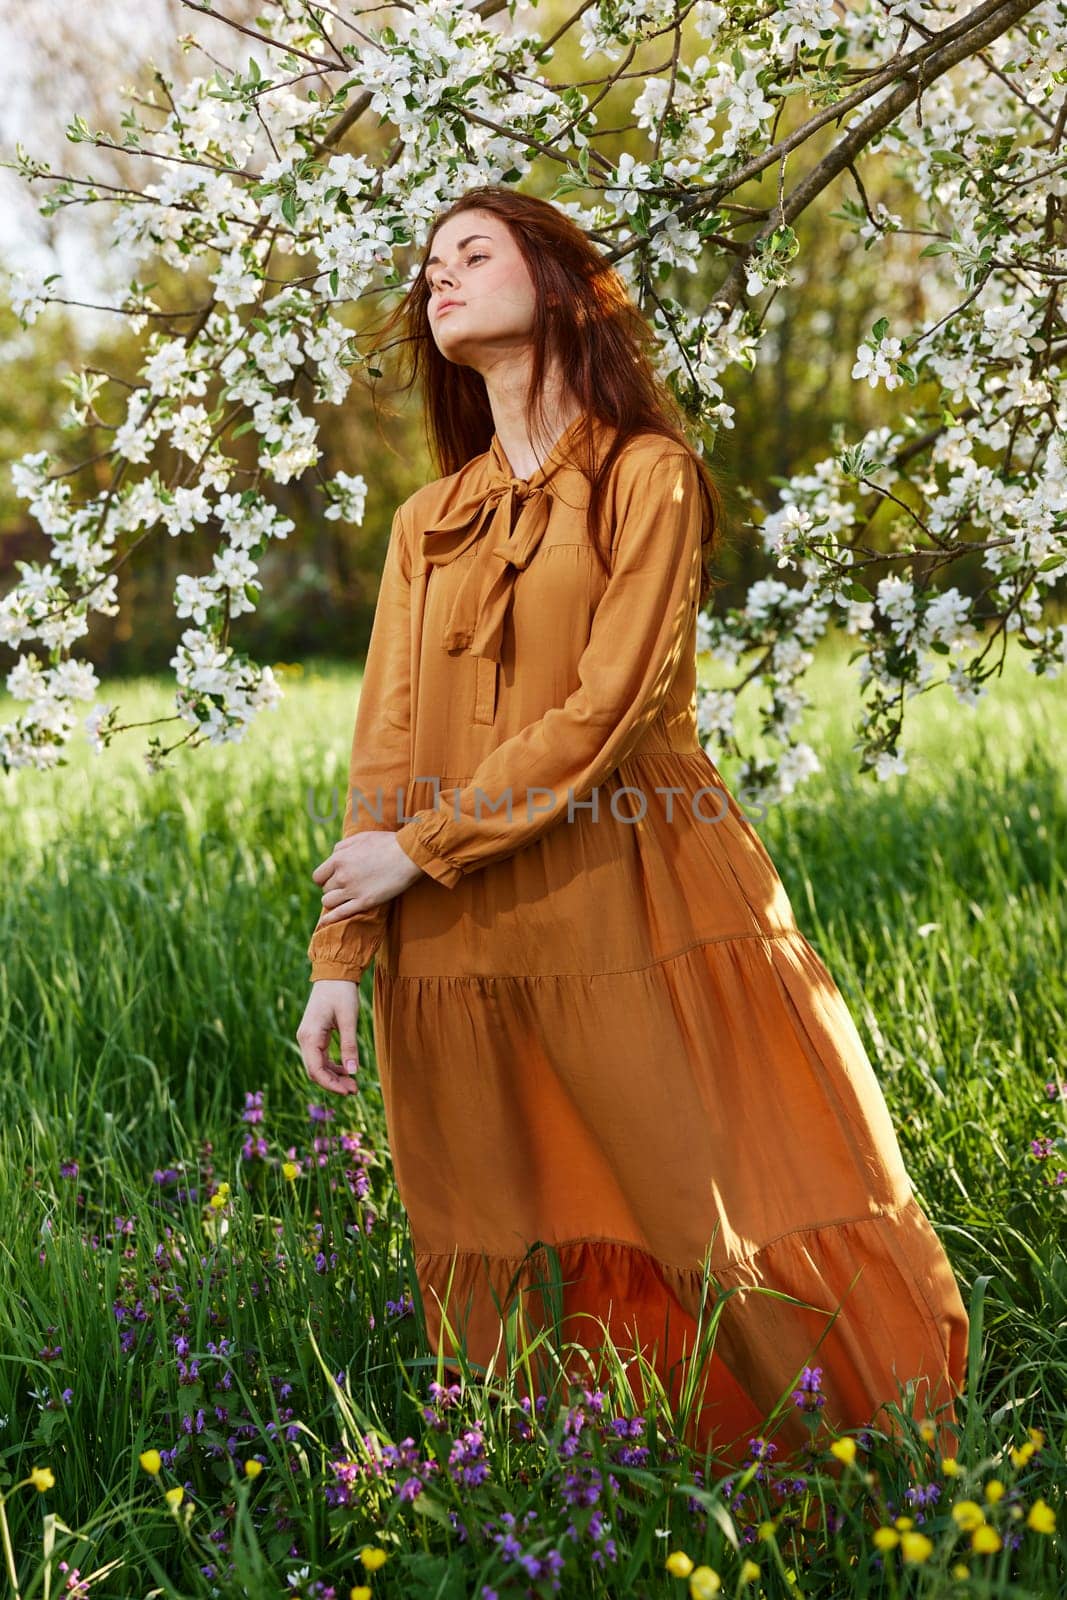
(293, 187)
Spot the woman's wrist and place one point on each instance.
(415, 848)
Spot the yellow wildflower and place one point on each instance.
(986, 1540)
(916, 1546)
(151, 1461)
(950, 1466)
(373, 1557)
(928, 1431)
(885, 1538)
(42, 1478)
(961, 1570)
(253, 1468)
(968, 1514)
(174, 1496)
(993, 1490)
(844, 1450)
(290, 1170)
(704, 1582)
(766, 1530)
(903, 1522)
(1041, 1517)
(1036, 1437)
(1021, 1456)
(678, 1564)
(361, 1591)
(749, 1571)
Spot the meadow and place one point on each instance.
(213, 1378)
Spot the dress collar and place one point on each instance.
(500, 466)
(483, 509)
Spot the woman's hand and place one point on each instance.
(332, 1004)
(363, 871)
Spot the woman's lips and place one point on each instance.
(448, 305)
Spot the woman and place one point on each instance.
(598, 1026)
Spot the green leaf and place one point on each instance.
(784, 241)
(426, 1507)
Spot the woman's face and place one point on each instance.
(475, 262)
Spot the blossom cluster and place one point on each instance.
(244, 173)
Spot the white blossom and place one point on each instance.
(876, 361)
(240, 189)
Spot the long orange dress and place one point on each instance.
(598, 1026)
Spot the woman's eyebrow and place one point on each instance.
(462, 245)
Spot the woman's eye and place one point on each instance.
(479, 255)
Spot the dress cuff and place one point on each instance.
(414, 846)
(335, 969)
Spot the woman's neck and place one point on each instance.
(525, 453)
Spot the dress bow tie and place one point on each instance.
(480, 608)
(484, 515)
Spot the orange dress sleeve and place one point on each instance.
(636, 638)
(380, 763)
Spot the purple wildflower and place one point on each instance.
(808, 1395)
(253, 1111)
(467, 1461)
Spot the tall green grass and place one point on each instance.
(154, 935)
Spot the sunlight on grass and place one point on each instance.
(215, 1362)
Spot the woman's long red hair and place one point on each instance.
(584, 316)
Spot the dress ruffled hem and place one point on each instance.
(427, 983)
(877, 1340)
